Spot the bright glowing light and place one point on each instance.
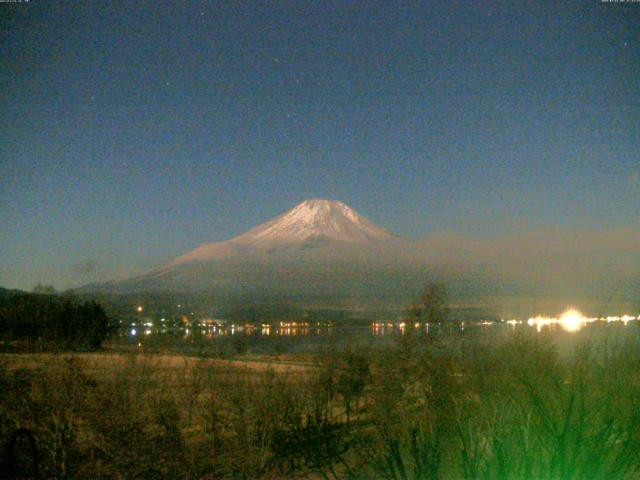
(571, 320)
(139, 308)
(133, 332)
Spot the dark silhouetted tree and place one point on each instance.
(62, 322)
(44, 289)
(432, 306)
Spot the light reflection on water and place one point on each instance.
(570, 321)
(208, 332)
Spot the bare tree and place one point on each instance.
(432, 306)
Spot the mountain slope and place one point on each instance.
(313, 223)
(323, 250)
(319, 246)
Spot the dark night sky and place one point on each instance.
(134, 131)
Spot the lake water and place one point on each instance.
(296, 337)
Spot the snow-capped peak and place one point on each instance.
(310, 221)
(317, 218)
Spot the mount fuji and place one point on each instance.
(324, 252)
(318, 249)
(313, 224)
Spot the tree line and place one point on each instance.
(52, 322)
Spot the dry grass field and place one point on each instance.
(106, 363)
(509, 408)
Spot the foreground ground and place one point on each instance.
(418, 408)
(109, 363)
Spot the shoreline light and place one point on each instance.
(573, 320)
